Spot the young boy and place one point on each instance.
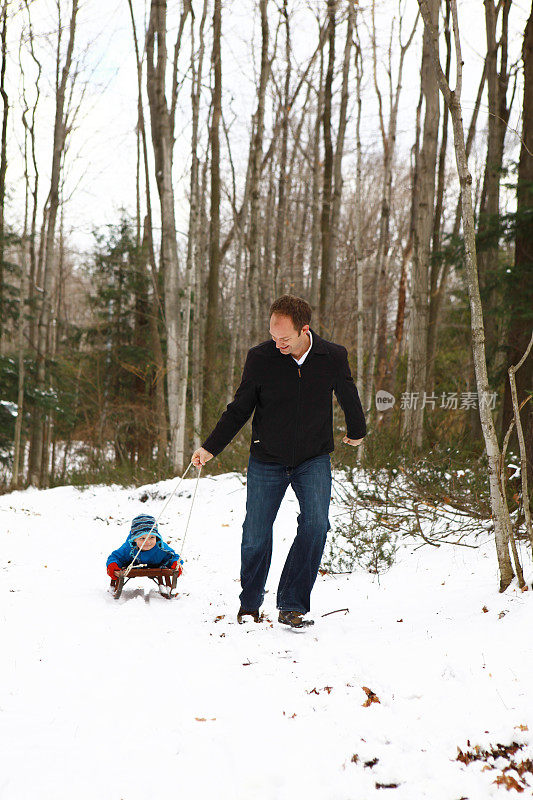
(153, 552)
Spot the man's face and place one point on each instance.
(286, 337)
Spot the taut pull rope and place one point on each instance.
(130, 566)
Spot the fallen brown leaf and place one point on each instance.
(371, 697)
(509, 782)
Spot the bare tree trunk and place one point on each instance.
(162, 119)
(435, 264)
(158, 379)
(236, 317)
(198, 316)
(439, 282)
(15, 476)
(521, 439)
(360, 316)
(502, 318)
(282, 184)
(3, 164)
(30, 127)
(267, 284)
(490, 195)
(37, 468)
(293, 218)
(213, 288)
(418, 321)
(196, 74)
(315, 226)
(378, 325)
(337, 162)
(148, 246)
(29, 243)
(325, 220)
(256, 159)
(500, 513)
(519, 299)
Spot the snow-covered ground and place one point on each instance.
(144, 697)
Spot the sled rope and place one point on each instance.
(130, 566)
(190, 511)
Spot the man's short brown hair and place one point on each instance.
(294, 307)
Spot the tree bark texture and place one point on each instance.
(37, 467)
(424, 210)
(213, 288)
(500, 513)
(163, 145)
(519, 293)
(325, 220)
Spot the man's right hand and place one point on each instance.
(201, 457)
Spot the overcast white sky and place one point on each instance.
(102, 149)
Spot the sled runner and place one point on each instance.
(165, 578)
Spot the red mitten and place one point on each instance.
(112, 569)
(174, 565)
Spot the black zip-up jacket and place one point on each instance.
(293, 418)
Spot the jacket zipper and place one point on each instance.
(297, 417)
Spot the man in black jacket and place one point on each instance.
(288, 381)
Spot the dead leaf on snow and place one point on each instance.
(371, 697)
(509, 782)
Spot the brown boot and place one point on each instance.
(294, 619)
(244, 613)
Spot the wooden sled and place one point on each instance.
(162, 576)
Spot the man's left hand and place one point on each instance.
(353, 442)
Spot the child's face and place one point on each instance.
(145, 542)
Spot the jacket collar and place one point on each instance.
(318, 347)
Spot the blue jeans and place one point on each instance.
(266, 486)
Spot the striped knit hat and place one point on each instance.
(142, 525)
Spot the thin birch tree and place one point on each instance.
(452, 97)
(163, 115)
(423, 224)
(38, 466)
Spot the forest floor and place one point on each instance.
(142, 697)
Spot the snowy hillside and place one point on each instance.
(144, 697)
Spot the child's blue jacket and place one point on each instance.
(160, 555)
